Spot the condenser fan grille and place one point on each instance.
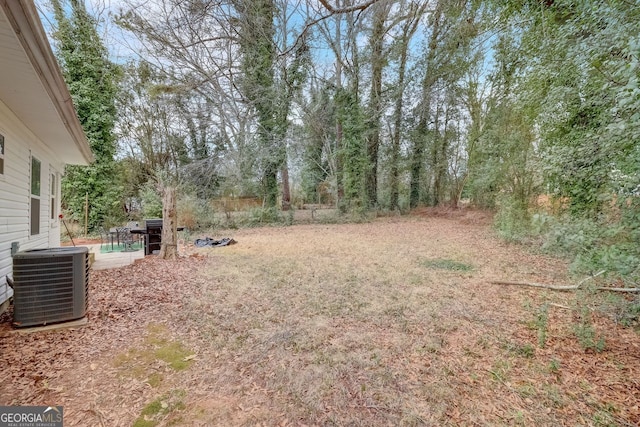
(50, 285)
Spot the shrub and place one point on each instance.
(195, 213)
(512, 220)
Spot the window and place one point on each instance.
(1, 154)
(54, 190)
(35, 196)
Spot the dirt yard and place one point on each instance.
(387, 323)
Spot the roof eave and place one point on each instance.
(23, 17)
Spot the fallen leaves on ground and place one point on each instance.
(351, 324)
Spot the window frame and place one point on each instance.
(2, 154)
(35, 200)
(54, 180)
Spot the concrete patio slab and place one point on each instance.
(104, 261)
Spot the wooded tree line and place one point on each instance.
(386, 105)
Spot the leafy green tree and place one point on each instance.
(498, 133)
(349, 155)
(589, 125)
(584, 83)
(92, 81)
(269, 83)
(574, 84)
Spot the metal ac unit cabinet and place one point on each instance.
(50, 285)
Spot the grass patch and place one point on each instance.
(152, 408)
(586, 334)
(134, 362)
(175, 354)
(552, 396)
(141, 422)
(522, 350)
(554, 367)
(605, 416)
(162, 409)
(446, 264)
(541, 324)
(500, 371)
(172, 352)
(155, 379)
(137, 362)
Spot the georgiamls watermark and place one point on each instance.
(31, 416)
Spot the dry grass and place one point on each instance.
(366, 325)
(386, 323)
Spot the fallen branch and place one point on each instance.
(563, 288)
(536, 285)
(629, 290)
(553, 304)
(567, 287)
(593, 276)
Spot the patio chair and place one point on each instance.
(125, 235)
(120, 235)
(105, 239)
(136, 236)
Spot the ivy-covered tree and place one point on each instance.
(269, 83)
(258, 50)
(353, 152)
(92, 81)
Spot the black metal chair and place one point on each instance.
(105, 239)
(121, 236)
(135, 236)
(127, 239)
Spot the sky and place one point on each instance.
(122, 46)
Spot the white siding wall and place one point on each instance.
(15, 194)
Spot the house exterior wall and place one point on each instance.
(15, 194)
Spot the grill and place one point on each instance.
(153, 236)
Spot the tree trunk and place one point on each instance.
(420, 139)
(439, 158)
(339, 132)
(339, 165)
(256, 33)
(169, 246)
(375, 103)
(286, 189)
(407, 33)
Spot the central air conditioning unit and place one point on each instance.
(50, 285)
